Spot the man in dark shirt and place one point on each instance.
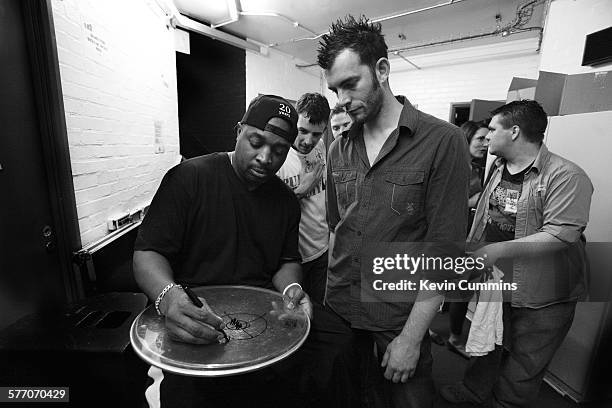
(222, 218)
(398, 176)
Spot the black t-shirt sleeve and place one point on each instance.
(290, 252)
(163, 228)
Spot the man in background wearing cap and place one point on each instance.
(221, 219)
(303, 172)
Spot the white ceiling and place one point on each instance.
(291, 25)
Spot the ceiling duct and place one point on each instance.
(294, 23)
(181, 21)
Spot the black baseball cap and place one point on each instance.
(265, 107)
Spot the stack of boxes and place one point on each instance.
(562, 94)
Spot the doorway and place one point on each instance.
(211, 87)
(475, 110)
(459, 113)
(38, 214)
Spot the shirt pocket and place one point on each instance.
(404, 192)
(345, 183)
(535, 209)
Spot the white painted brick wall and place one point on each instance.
(112, 98)
(567, 24)
(277, 74)
(435, 88)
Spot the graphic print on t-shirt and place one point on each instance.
(503, 206)
(308, 163)
(314, 233)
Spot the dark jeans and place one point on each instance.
(340, 363)
(456, 316)
(327, 366)
(314, 277)
(417, 392)
(511, 376)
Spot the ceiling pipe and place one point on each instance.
(376, 20)
(407, 13)
(179, 20)
(523, 16)
(197, 27)
(406, 59)
(397, 51)
(294, 23)
(466, 38)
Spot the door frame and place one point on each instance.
(49, 105)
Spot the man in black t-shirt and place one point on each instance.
(223, 218)
(501, 224)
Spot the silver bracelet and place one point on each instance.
(290, 285)
(161, 296)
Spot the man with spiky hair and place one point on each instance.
(397, 176)
(303, 171)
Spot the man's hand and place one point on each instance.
(400, 359)
(295, 299)
(489, 254)
(309, 180)
(187, 323)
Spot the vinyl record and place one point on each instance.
(256, 338)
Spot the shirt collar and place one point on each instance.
(541, 158)
(538, 163)
(408, 119)
(409, 116)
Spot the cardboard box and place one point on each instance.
(561, 94)
(584, 93)
(521, 88)
(549, 91)
(481, 109)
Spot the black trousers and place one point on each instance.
(324, 372)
